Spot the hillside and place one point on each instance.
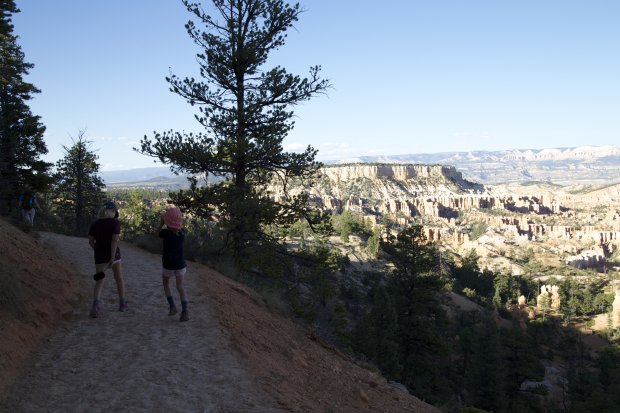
(246, 357)
(38, 291)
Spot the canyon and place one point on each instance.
(537, 229)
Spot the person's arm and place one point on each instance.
(115, 238)
(160, 227)
(36, 203)
(91, 241)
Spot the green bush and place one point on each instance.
(349, 223)
(470, 293)
(478, 229)
(139, 216)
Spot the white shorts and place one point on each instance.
(173, 273)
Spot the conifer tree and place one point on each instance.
(21, 132)
(484, 379)
(78, 189)
(376, 336)
(245, 111)
(413, 285)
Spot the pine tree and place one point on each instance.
(78, 190)
(21, 133)
(376, 337)
(484, 379)
(245, 110)
(413, 285)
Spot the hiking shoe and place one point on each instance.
(184, 316)
(173, 310)
(122, 306)
(94, 311)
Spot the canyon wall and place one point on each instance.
(395, 171)
(447, 205)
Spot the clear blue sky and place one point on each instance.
(409, 76)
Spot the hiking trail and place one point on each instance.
(139, 360)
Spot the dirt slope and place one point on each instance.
(303, 374)
(37, 291)
(234, 355)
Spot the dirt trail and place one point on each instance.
(140, 360)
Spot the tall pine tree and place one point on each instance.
(78, 189)
(413, 285)
(245, 110)
(376, 336)
(21, 132)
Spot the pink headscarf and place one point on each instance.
(173, 218)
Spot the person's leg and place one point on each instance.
(181, 289)
(25, 216)
(165, 278)
(32, 212)
(94, 312)
(99, 283)
(166, 282)
(120, 285)
(98, 288)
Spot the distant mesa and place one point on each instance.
(596, 164)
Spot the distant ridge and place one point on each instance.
(534, 155)
(137, 175)
(583, 164)
(591, 164)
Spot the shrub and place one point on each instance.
(470, 293)
(478, 229)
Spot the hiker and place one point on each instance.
(103, 237)
(27, 204)
(173, 260)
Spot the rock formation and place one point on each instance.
(395, 171)
(549, 298)
(450, 208)
(587, 259)
(553, 165)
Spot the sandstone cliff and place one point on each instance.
(589, 164)
(376, 183)
(395, 171)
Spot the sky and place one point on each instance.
(408, 76)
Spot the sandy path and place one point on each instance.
(138, 361)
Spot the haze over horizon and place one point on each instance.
(410, 77)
